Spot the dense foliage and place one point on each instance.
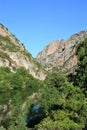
(80, 76)
(15, 88)
(57, 103)
(65, 105)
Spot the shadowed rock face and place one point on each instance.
(60, 54)
(14, 55)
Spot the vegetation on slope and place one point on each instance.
(57, 103)
(79, 78)
(6, 44)
(13, 54)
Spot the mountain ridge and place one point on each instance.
(14, 55)
(60, 54)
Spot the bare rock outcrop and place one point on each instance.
(14, 55)
(60, 54)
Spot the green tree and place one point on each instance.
(65, 105)
(16, 81)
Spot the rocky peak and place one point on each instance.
(60, 54)
(78, 36)
(14, 55)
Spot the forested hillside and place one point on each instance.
(57, 103)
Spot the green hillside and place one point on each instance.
(57, 103)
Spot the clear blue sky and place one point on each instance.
(38, 22)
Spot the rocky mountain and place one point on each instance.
(14, 55)
(60, 54)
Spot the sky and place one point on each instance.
(36, 23)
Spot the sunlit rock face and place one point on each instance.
(60, 54)
(14, 55)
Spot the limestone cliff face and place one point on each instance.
(14, 55)
(60, 54)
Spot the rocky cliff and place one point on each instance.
(14, 55)
(60, 54)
